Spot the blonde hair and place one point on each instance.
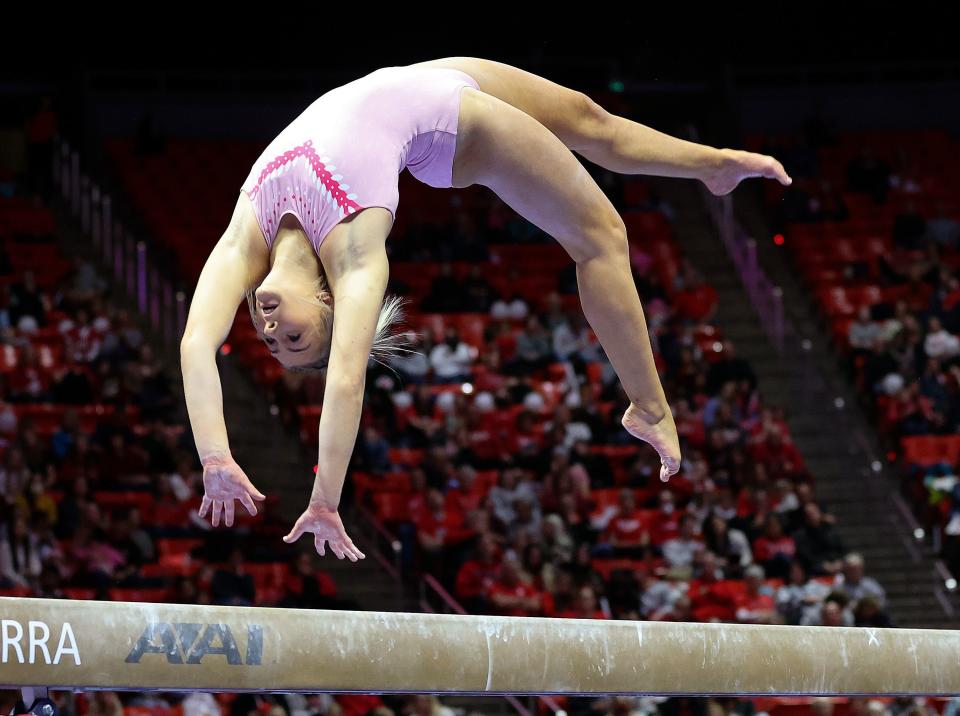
(386, 342)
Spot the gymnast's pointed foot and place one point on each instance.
(736, 165)
(660, 433)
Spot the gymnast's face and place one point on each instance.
(294, 323)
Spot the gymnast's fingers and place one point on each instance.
(318, 543)
(350, 554)
(777, 172)
(295, 532)
(204, 506)
(353, 548)
(248, 486)
(337, 549)
(217, 508)
(228, 511)
(247, 502)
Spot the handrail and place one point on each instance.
(135, 264)
(767, 300)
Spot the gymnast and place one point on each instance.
(306, 245)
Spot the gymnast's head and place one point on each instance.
(292, 309)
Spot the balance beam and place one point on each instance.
(137, 646)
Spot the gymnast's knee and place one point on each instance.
(608, 241)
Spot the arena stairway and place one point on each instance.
(834, 437)
(272, 457)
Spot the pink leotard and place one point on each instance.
(345, 152)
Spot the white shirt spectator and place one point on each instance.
(740, 545)
(941, 344)
(200, 703)
(503, 500)
(792, 599)
(565, 341)
(658, 596)
(449, 362)
(680, 552)
(863, 334)
(866, 587)
(515, 309)
(812, 616)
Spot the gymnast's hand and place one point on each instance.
(737, 165)
(224, 482)
(326, 526)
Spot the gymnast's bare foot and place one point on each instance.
(662, 436)
(736, 165)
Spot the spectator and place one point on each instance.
(556, 539)
(756, 605)
(627, 533)
(943, 228)
(534, 350)
(832, 612)
(439, 528)
(729, 544)
(232, 585)
(818, 544)
(477, 576)
(681, 550)
(478, 293)
(940, 343)
(310, 588)
(863, 332)
(696, 300)
(446, 293)
(774, 550)
(82, 340)
(27, 300)
(29, 381)
(15, 475)
(510, 489)
(799, 594)
(413, 364)
(451, 359)
(514, 309)
(729, 368)
(852, 582)
(94, 562)
(586, 606)
(513, 594)
(373, 451)
(19, 554)
(868, 613)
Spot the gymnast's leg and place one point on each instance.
(510, 152)
(615, 143)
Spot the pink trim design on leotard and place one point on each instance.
(321, 170)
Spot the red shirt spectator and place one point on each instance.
(754, 606)
(666, 522)
(628, 527)
(478, 575)
(439, 526)
(773, 542)
(697, 302)
(512, 595)
(586, 606)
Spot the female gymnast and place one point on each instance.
(306, 244)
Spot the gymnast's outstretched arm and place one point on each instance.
(234, 265)
(357, 269)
